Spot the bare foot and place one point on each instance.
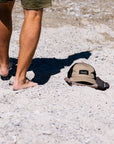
(4, 70)
(23, 85)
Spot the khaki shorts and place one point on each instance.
(32, 4)
(35, 4)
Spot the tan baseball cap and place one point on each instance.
(82, 72)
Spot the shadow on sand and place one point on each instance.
(44, 68)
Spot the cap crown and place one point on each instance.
(82, 72)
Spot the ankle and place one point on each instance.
(5, 64)
(20, 79)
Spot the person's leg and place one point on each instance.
(5, 35)
(28, 41)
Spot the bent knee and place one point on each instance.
(33, 13)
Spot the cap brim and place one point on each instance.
(100, 84)
(83, 79)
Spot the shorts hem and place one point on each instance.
(48, 5)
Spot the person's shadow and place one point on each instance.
(44, 68)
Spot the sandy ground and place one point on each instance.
(54, 112)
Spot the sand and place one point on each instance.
(54, 112)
